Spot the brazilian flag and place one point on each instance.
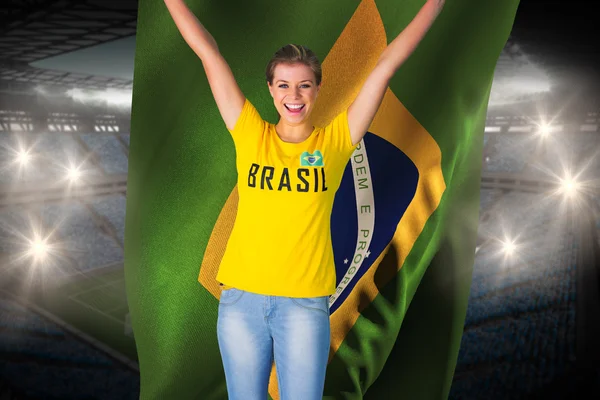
(403, 272)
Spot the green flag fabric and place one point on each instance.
(405, 216)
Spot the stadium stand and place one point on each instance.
(41, 360)
(83, 240)
(112, 208)
(574, 149)
(521, 337)
(519, 333)
(111, 154)
(508, 153)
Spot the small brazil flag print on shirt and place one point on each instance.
(311, 160)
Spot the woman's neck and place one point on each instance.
(294, 133)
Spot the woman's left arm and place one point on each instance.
(363, 109)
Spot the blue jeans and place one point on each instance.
(253, 330)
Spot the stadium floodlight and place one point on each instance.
(509, 247)
(23, 157)
(39, 248)
(545, 130)
(77, 94)
(73, 174)
(527, 81)
(569, 186)
(116, 97)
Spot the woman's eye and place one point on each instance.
(284, 86)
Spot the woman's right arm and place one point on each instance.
(228, 95)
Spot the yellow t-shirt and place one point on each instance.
(281, 240)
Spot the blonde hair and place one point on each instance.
(292, 54)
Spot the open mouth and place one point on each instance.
(294, 108)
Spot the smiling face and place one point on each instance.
(294, 91)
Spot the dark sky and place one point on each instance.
(559, 33)
(563, 32)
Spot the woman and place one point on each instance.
(278, 269)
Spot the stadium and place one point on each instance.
(532, 322)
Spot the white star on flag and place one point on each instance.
(367, 254)
(346, 261)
